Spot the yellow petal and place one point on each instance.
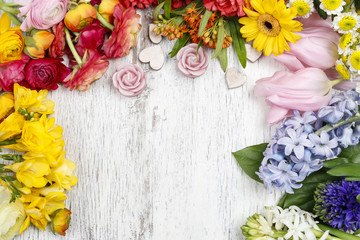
(5, 23)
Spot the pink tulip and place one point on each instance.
(317, 47)
(307, 89)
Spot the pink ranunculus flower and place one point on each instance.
(190, 64)
(93, 68)
(13, 72)
(42, 14)
(45, 73)
(227, 8)
(307, 89)
(92, 36)
(129, 79)
(124, 37)
(137, 3)
(317, 47)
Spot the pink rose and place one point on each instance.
(124, 37)
(317, 47)
(191, 65)
(307, 89)
(93, 68)
(43, 14)
(46, 73)
(92, 36)
(13, 72)
(129, 79)
(228, 8)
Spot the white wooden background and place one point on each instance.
(159, 166)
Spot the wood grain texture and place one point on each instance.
(159, 166)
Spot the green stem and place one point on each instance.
(8, 9)
(7, 142)
(342, 235)
(72, 47)
(337, 81)
(278, 234)
(348, 6)
(104, 22)
(330, 127)
(319, 234)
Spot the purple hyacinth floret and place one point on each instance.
(301, 144)
(336, 204)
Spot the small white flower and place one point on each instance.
(346, 41)
(346, 22)
(332, 7)
(354, 60)
(304, 7)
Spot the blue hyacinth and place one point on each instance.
(303, 141)
(336, 204)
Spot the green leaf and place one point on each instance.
(223, 59)
(180, 43)
(157, 10)
(167, 9)
(250, 159)
(358, 198)
(321, 12)
(181, 11)
(346, 170)
(354, 179)
(238, 42)
(357, 4)
(198, 47)
(204, 21)
(304, 196)
(335, 162)
(220, 39)
(338, 233)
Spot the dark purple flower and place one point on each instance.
(336, 204)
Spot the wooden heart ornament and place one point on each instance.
(234, 78)
(153, 55)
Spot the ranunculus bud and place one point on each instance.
(78, 18)
(191, 64)
(41, 41)
(106, 9)
(129, 79)
(60, 221)
(46, 73)
(12, 215)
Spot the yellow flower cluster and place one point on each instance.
(43, 173)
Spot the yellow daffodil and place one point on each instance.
(32, 100)
(11, 41)
(60, 222)
(6, 105)
(63, 175)
(11, 126)
(31, 173)
(270, 25)
(12, 215)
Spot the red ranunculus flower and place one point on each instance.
(92, 36)
(94, 2)
(13, 72)
(45, 73)
(137, 3)
(228, 8)
(124, 37)
(57, 48)
(177, 3)
(93, 68)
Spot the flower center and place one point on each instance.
(343, 71)
(345, 40)
(269, 25)
(301, 7)
(331, 4)
(347, 23)
(355, 60)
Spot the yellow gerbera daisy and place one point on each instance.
(270, 25)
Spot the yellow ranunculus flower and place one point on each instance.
(32, 100)
(11, 126)
(12, 215)
(106, 8)
(78, 18)
(31, 173)
(6, 105)
(63, 174)
(42, 40)
(11, 41)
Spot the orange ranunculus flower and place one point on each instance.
(106, 9)
(78, 18)
(42, 41)
(11, 41)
